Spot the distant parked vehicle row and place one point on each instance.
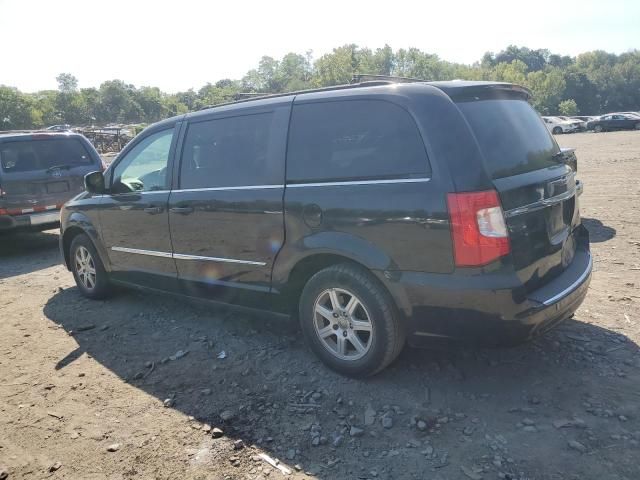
(557, 125)
(615, 121)
(604, 123)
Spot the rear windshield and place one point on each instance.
(31, 155)
(511, 135)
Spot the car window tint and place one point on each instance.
(230, 152)
(511, 136)
(354, 140)
(32, 155)
(144, 167)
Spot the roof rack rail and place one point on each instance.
(250, 96)
(366, 77)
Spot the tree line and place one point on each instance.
(590, 83)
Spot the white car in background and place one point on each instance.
(558, 125)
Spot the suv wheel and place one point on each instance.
(88, 271)
(556, 130)
(349, 321)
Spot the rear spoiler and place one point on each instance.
(487, 91)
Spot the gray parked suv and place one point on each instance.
(38, 173)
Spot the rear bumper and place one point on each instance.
(36, 220)
(489, 308)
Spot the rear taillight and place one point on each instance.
(478, 228)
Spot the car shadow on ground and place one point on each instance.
(270, 391)
(26, 252)
(598, 232)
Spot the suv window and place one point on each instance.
(144, 167)
(354, 140)
(30, 155)
(230, 152)
(511, 136)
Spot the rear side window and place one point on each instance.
(511, 136)
(354, 140)
(32, 155)
(230, 152)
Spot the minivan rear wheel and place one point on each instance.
(89, 272)
(349, 321)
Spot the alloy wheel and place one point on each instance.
(85, 268)
(343, 324)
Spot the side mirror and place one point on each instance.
(94, 182)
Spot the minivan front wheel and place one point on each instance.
(88, 270)
(349, 321)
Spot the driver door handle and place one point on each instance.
(153, 210)
(182, 210)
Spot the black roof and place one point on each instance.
(371, 83)
(450, 87)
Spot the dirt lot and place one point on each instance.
(140, 374)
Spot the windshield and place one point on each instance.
(511, 136)
(31, 155)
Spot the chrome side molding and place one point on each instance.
(139, 251)
(182, 256)
(359, 182)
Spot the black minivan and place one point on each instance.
(377, 212)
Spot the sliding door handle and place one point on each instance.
(153, 210)
(181, 210)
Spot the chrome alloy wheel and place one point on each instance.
(343, 324)
(85, 268)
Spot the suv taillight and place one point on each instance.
(478, 228)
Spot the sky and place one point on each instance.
(182, 44)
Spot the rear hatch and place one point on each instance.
(41, 172)
(537, 188)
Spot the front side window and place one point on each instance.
(230, 152)
(144, 167)
(354, 140)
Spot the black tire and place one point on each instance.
(556, 130)
(598, 129)
(387, 337)
(637, 126)
(101, 287)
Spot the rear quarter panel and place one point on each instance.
(387, 226)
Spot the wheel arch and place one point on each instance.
(312, 263)
(78, 224)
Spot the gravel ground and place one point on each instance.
(134, 387)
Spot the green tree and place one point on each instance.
(568, 107)
(15, 109)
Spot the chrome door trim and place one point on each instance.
(182, 256)
(359, 182)
(152, 253)
(223, 189)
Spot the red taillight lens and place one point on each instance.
(477, 227)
